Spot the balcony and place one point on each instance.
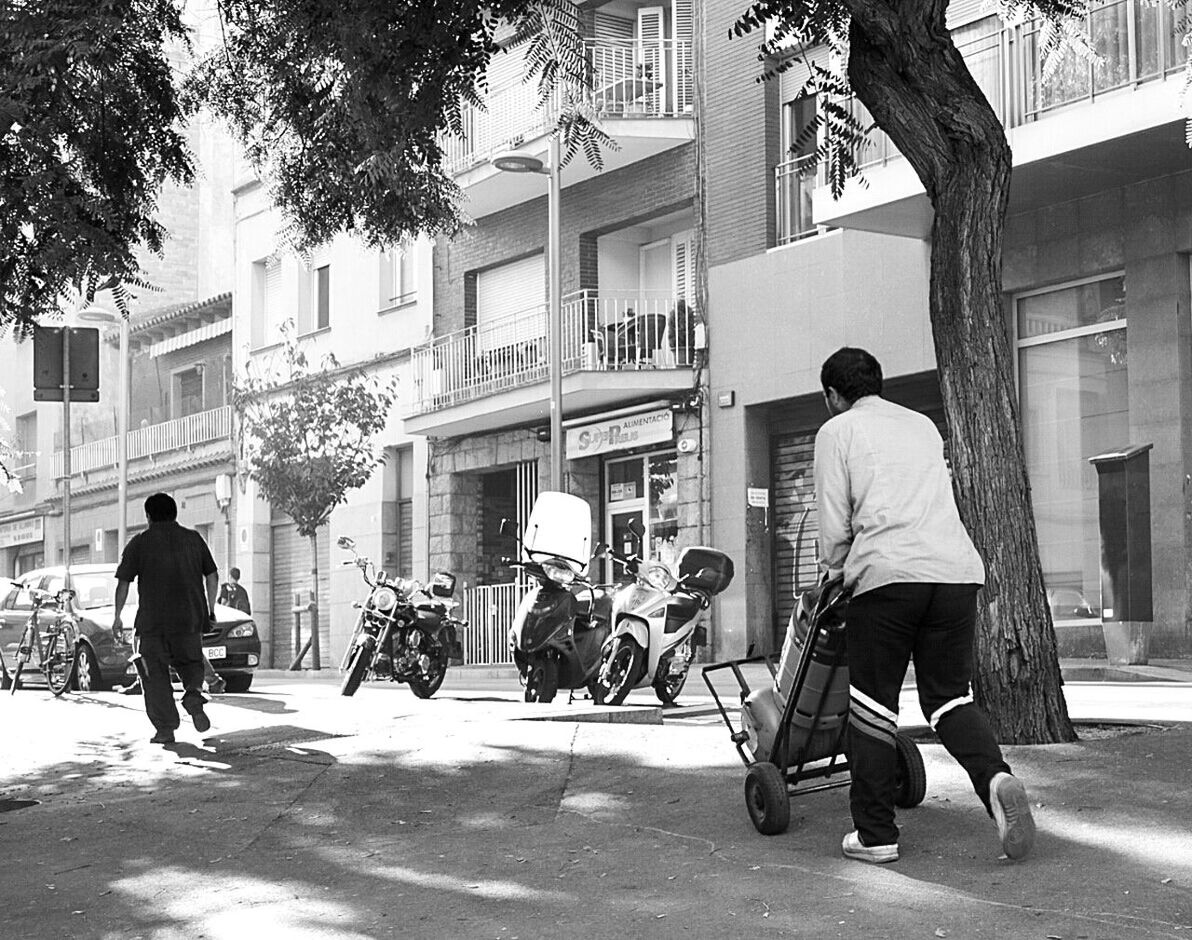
(1062, 150)
(618, 346)
(642, 91)
(179, 435)
(794, 183)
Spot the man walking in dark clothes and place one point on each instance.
(888, 521)
(177, 580)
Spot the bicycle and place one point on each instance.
(56, 646)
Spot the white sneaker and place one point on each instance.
(852, 847)
(1012, 813)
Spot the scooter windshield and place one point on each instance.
(560, 526)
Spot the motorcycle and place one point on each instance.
(658, 621)
(562, 622)
(396, 636)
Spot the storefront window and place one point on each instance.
(1073, 387)
(646, 489)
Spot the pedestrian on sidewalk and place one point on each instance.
(232, 593)
(888, 520)
(177, 581)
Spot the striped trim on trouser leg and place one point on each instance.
(869, 717)
(934, 718)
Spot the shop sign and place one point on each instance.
(21, 532)
(601, 437)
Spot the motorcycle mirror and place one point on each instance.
(635, 526)
(345, 543)
(508, 528)
(600, 550)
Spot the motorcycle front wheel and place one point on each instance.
(622, 669)
(542, 681)
(426, 686)
(356, 670)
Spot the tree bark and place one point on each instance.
(906, 70)
(316, 661)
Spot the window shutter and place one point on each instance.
(511, 302)
(606, 26)
(683, 249)
(273, 297)
(961, 12)
(791, 82)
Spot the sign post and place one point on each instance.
(60, 376)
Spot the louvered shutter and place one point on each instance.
(651, 49)
(961, 12)
(683, 259)
(511, 303)
(682, 71)
(793, 80)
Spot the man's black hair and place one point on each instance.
(160, 507)
(235, 573)
(853, 372)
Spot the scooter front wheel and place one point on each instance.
(542, 681)
(357, 669)
(621, 670)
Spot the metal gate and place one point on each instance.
(489, 608)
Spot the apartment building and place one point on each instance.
(1096, 280)
(367, 308)
(634, 338)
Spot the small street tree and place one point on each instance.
(306, 435)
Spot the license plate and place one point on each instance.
(216, 652)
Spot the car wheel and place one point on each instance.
(237, 683)
(88, 678)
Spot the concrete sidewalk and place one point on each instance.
(303, 814)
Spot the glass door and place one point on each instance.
(646, 489)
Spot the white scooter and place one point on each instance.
(657, 622)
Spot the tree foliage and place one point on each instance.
(307, 431)
(91, 127)
(343, 104)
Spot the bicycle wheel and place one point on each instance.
(59, 662)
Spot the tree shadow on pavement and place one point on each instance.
(506, 829)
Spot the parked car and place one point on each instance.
(232, 644)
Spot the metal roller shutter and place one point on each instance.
(511, 303)
(291, 572)
(796, 526)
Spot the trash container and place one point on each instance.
(1124, 516)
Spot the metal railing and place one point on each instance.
(179, 434)
(1136, 43)
(603, 331)
(794, 182)
(630, 79)
(489, 610)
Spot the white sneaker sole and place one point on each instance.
(1012, 813)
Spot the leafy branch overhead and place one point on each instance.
(91, 127)
(343, 104)
(307, 431)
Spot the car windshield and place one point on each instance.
(98, 589)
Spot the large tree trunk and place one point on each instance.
(905, 68)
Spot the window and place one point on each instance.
(188, 392)
(266, 301)
(1073, 390)
(645, 489)
(26, 446)
(322, 287)
(398, 282)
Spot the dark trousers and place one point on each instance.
(933, 624)
(183, 651)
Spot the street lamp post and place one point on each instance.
(519, 161)
(100, 315)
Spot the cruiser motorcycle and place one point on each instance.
(399, 636)
(658, 621)
(562, 621)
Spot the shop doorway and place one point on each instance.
(645, 489)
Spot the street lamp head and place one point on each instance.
(94, 314)
(519, 161)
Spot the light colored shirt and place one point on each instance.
(886, 509)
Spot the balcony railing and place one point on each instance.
(1136, 43)
(630, 79)
(179, 434)
(602, 331)
(794, 182)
